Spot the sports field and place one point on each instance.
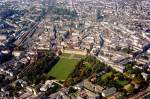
(63, 68)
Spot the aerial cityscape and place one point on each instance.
(74, 49)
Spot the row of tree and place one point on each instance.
(41, 67)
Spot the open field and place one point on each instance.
(72, 56)
(65, 55)
(79, 56)
(63, 68)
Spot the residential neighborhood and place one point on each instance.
(74, 49)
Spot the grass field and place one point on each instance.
(78, 56)
(66, 55)
(63, 68)
(72, 55)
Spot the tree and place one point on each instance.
(91, 59)
(138, 79)
(103, 82)
(129, 66)
(130, 71)
(111, 83)
(137, 71)
(88, 72)
(129, 88)
(72, 90)
(68, 82)
(119, 75)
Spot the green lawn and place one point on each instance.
(122, 82)
(65, 55)
(107, 75)
(73, 55)
(78, 56)
(63, 68)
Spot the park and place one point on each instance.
(63, 68)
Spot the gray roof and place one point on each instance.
(109, 92)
